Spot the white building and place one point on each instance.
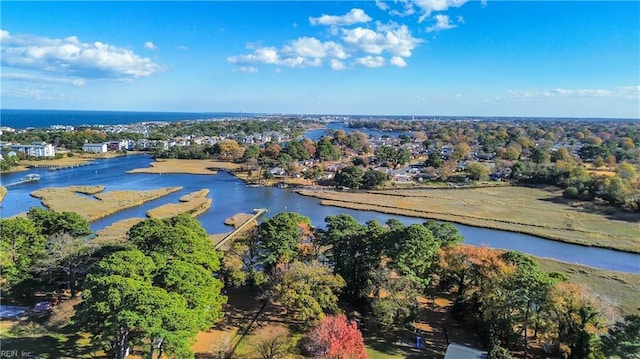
(94, 147)
(36, 149)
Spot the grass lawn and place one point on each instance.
(536, 211)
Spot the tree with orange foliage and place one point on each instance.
(576, 318)
(336, 338)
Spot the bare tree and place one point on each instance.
(271, 342)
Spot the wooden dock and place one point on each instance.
(258, 213)
(26, 179)
(59, 167)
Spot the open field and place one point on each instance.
(195, 167)
(193, 204)
(100, 205)
(536, 211)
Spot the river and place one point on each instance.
(231, 196)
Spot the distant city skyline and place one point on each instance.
(411, 58)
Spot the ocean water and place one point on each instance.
(20, 119)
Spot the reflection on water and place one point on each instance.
(231, 196)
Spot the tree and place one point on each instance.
(354, 249)
(160, 293)
(623, 339)
(461, 151)
(576, 319)
(51, 222)
(326, 151)
(271, 342)
(477, 171)
(395, 297)
(21, 245)
(351, 177)
(434, 160)
(445, 232)
(373, 179)
(413, 250)
(307, 289)
(66, 254)
(279, 237)
(336, 338)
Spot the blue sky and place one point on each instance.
(423, 57)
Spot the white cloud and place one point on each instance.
(352, 17)
(337, 65)
(246, 69)
(398, 61)
(429, 6)
(407, 9)
(442, 23)
(149, 45)
(42, 79)
(312, 47)
(382, 5)
(370, 61)
(396, 39)
(265, 55)
(70, 57)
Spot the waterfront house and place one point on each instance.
(457, 351)
(95, 147)
(36, 149)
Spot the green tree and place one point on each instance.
(354, 249)
(51, 222)
(413, 250)
(395, 297)
(623, 339)
(434, 160)
(373, 179)
(21, 246)
(309, 290)
(326, 151)
(279, 237)
(477, 171)
(66, 255)
(351, 177)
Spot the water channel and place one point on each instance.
(231, 196)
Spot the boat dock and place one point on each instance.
(26, 179)
(59, 167)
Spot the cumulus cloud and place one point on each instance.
(337, 65)
(382, 5)
(312, 47)
(442, 23)
(370, 61)
(428, 6)
(398, 61)
(149, 45)
(354, 16)
(395, 39)
(70, 57)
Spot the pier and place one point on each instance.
(258, 213)
(59, 167)
(26, 179)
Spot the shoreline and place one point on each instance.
(501, 225)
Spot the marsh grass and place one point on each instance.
(101, 204)
(536, 211)
(194, 204)
(195, 167)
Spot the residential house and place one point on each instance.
(95, 147)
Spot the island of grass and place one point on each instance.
(175, 166)
(95, 203)
(540, 212)
(194, 204)
(3, 192)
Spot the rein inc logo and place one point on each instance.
(16, 354)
